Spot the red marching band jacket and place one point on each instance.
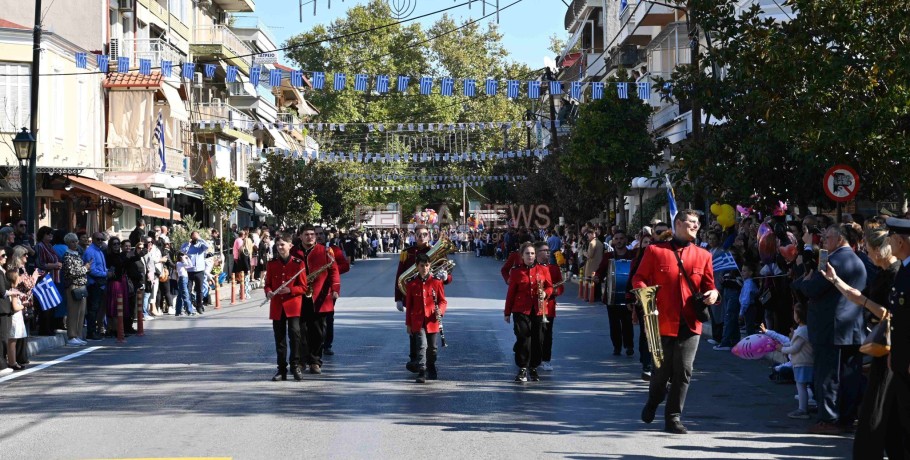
(523, 288)
(343, 265)
(407, 259)
(555, 275)
(674, 298)
(327, 282)
(420, 304)
(277, 272)
(514, 260)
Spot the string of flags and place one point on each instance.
(379, 127)
(382, 84)
(424, 187)
(386, 177)
(357, 157)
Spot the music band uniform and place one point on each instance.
(618, 312)
(315, 309)
(424, 295)
(284, 309)
(343, 267)
(521, 305)
(406, 260)
(555, 277)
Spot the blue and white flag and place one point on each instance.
(382, 84)
(512, 87)
(556, 88)
(231, 74)
(209, 70)
(47, 294)
(318, 80)
(492, 86)
(167, 68)
(575, 90)
(426, 85)
(340, 81)
(724, 262)
(447, 86)
(188, 69)
(622, 90)
(255, 75)
(103, 62)
(534, 89)
(296, 78)
(644, 90)
(145, 66)
(275, 77)
(81, 60)
(158, 135)
(597, 90)
(403, 82)
(123, 64)
(470, 87)
(671, 201)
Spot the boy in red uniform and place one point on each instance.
(425, 304)
(529, 286)
(543, 260)
(284, 308)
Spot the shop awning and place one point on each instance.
(178, 107)
(148, 208)
(280, 142)
(262, 210)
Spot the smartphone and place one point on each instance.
(822, 260)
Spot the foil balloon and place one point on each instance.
(788, 252)
(755, 346)
(767, 247)
(763, 230)
(744, 211)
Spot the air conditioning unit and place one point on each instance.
(216, 101)
(114, 49)
(197, 80)
(125, 5)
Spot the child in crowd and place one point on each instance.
(800, 351)
(748, 311)
(183, 287)
(17, 329)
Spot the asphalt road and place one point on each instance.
(199, 387)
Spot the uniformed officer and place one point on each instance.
(899, 359)
(285, 302)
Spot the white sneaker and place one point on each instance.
(7, 371)
(74, 343)
(546, 366)
(82, 341)
(712, 341)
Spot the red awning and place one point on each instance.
(148, 208)
(570, 59)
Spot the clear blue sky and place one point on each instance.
(526, 26)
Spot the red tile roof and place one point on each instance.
(132, 80)
(11, 25)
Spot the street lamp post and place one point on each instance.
(254, 198)
(640, 183)
(24, 144)
(171, 183)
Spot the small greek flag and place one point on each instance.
(296, 78)
(622, 89)
(188, 69)
(447, 86)
(512, 87)
(597, 90)
(145, 66)
(209, 70)
(103, 62)
(340, 81)
(534, 89)
(47, 294)
(555, 88)
(644, 90)
(426, 85)
(724, 262)
(167, 68)
(360, 82)
(231, 76)
(275, 77)
(575, 90)
(318, 80)
(81, 60)
(671, 201)
(470, 87)
(158, 135)
(382, 84)
(123, 64)
(255, 75)
(403, 81)
(491, 87)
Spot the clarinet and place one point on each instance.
(442, 332)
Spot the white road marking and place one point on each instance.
(37, 368)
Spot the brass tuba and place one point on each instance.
(647, 296)
(438, 261)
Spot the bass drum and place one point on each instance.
(617, 279)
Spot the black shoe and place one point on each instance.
(431, 373)
(93, 338)
(675, 426)
(630, 352)
(533, 375)
(648, 413)
(298, 373)
(617, 352)
(421, 376)
(522, 375)
(328, 351)
(201, 309)
(280, 376)
(411, 366)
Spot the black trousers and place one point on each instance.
(679, 357)
(195, 284)
(528, 340)
(852, 384)
(644, 353)
(329, 329)
(285, 328)
(621, 333)
(312, 333)
(546, 353)
(879, 430)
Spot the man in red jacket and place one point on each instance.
(425, 304)
(681, 313)
(284, 307)
(343, 267)
(320, 299)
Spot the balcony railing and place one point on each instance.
(221, 35)
(219, 111)
(155, 49)
(254, 23)
(146, 160)
(288, 118)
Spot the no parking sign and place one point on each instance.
(841, 183)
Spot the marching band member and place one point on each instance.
(512, 261)
(284, 306)
(343, 267)
(529, 286)
(320, 301)
(619, 314)
(425, 304)
(543, 259)
(405, 261)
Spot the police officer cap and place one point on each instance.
(899, 226)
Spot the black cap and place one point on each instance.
(899, 226)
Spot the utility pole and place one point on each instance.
(555, 141)
(31, 198)
(528, 117)
(694, 39)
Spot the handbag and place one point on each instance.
(878, 342)
(79, 293)
(701, 308)
(164, 276)
(765, 296)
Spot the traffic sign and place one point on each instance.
(841, 183)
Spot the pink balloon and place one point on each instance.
(755, 346)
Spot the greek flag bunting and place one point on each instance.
(426, 85)
(403, 81)
(145, 66)
(382, 84)
(491, 87)
(275, 77)
(167, 68)
(534, 89)
(255, 75)
(318, 80)
(555, 88)
(103, 62)
(340, 81)
(360, 82)
(447, 86)
(81, 60)
(575, 89)
(47, 294)
(512, 89)
(188, 69)
(123, 64)
(622, 90)
(209, 70)
(644, 90)
(470, 87)
(230, 74)
(296, 78)
(597, 90)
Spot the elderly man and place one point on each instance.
(97, 281)
(196, 250)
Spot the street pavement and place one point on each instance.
(199, 387)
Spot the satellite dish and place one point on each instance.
(115, 210)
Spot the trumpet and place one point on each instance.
(541, 303)
(647, 296)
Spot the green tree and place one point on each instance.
(221, 196)
(283, 188)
